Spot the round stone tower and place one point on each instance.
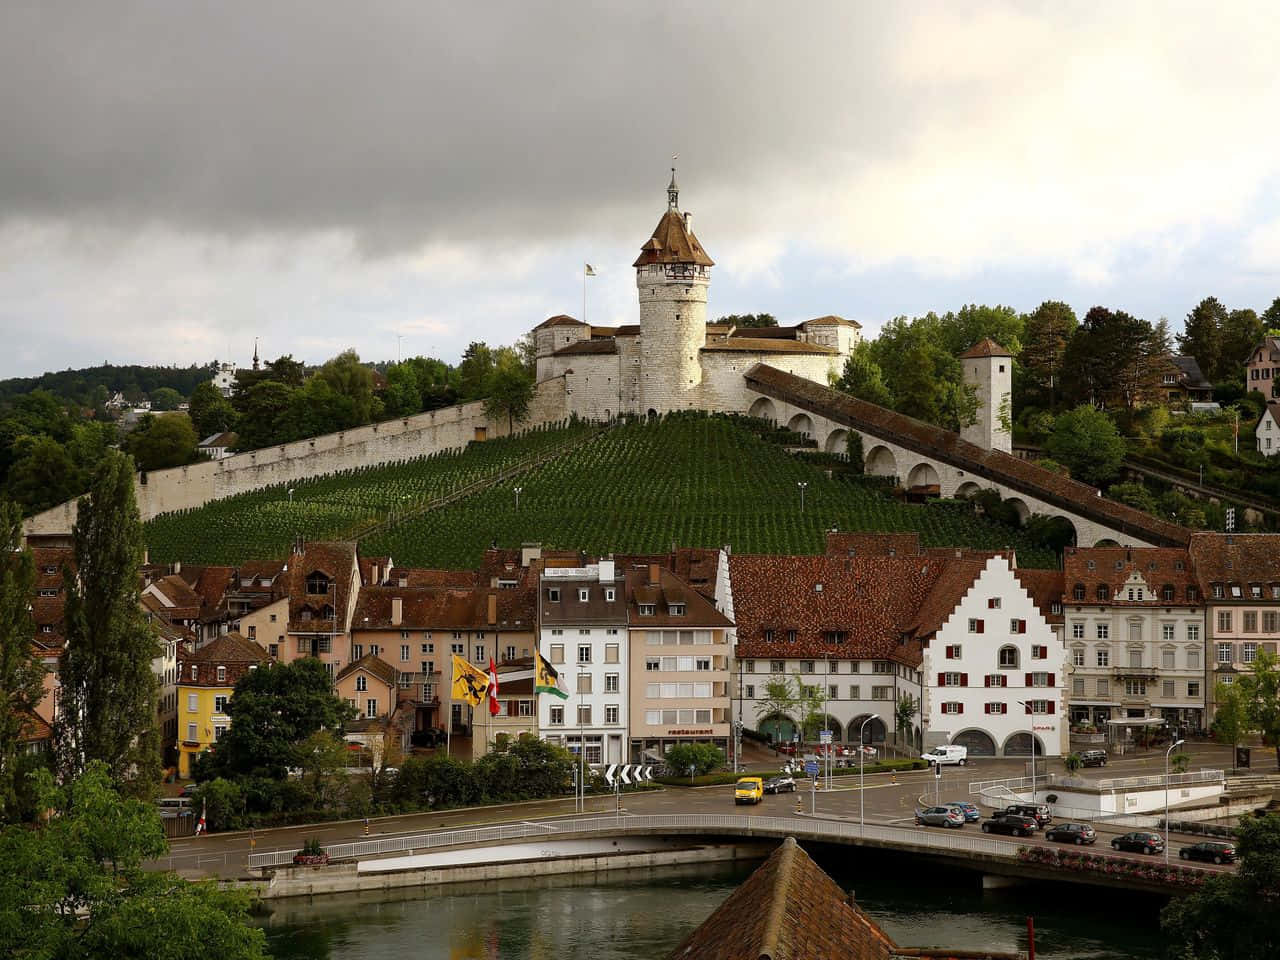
(672, 275)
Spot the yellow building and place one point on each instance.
(205, 681)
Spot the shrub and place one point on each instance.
(222, 802)
(701, 757)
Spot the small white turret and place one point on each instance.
(989, 368)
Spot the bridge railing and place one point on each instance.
(807, 827)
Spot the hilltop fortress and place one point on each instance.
(673, 359)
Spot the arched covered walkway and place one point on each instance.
(778, 728)
(837, 442)
(880, 462)
(1019, 745)
(923, 475)
(801, 423)
(876, 731)
(979, 743)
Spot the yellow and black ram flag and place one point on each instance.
(469, 683)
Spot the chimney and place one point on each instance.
(177, 566)
(529, 552)
(397, 611)
(606, 571)
(688, 220)
(653, 574)
(374, 575)
(492, 618)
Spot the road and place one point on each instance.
(888, 800)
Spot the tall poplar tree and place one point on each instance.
(21, 673)
(108, 690)
(1202, 336)
(1047, 330)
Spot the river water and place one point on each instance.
(645, 914)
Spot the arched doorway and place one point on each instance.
(923, 475)
(880, 462)
(1021, 508)
(832, 724)
(777, 728)
(875, 732)
(978, 742)
(1019, 745)
(837, 442)
(801, 423)
(764, 409)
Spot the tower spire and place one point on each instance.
(255, 353)
(673, 192)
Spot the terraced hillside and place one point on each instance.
(692, 480)
(261, 525)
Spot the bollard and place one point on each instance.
(366, 826)
(799, 803)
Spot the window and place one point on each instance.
(584, 683)
(1270, 622)
(460, 648)
(583, 594)
(362, 684)
(1235, 590)
(1039, 706)
(1166, 689)
(953, 652)
(952, 708)
(404, 653)
(652, 663)
(557, 632)
(882, 693)
(881, 666)
(584, 653)
(996, 680)
(1193, 658)
(193, 671)
(191, 733)
(1166, 593)
(777, 666)
(611, 713)
(222, 674)
(1040, 679)
(1104, 688)
(750, 693)
(1217, 591)
(1250, 618)
(1077, 592)
(1193, 632)
(557, 717)
(610, 595)
(1135, 688)
(952, 680)
(253, 633)
(1008, 657)
(1102, 631)
(997, 708)
(1077, 656)
(768, 636)
(1167, 658)
(976, 626)
(1224, 653)
(611, 683)
(371, 707)
(1224, 621)
(1039, 652)
(993, 603)
(1103, 592)
(1193, 688)
(1077, 631)
(855, 692)
(833, 692)
(1017, 626)
(1249, 653)
(791, 636)
(220, 704)
(702, 663)
(584, 714)
(428, 648)
(1104, 657)
(835, 636)
(1228, 680)
(525, 708)
(1135, 657)
(557, 653)
(1077, 687)
(675, 609)
(553, 594)
(647, 610)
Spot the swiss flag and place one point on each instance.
(493, 689)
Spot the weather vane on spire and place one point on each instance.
(673, 192)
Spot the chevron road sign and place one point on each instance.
(627, 773)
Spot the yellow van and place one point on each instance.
(749, 790)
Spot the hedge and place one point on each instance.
(727, 777)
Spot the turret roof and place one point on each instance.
(673, 242)
(986, 347)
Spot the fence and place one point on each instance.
(803, 827)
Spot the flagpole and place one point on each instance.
(584, 293)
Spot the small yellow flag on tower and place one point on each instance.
(588, 270)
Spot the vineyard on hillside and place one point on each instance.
(261, 525)
(692, 480)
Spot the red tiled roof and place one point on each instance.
(336, 560)
(673, 242)
(560, 320)
(35, 729)
(55, 558)
(854, 544)
(986, 347)
(423, 577)
(937, 443)
(669, 589)
(443, 608)
(696, 566)
(228, 648)
(953, 582)
(366, 569)
(831, 320)
(1111, 567)
(1045, 589)
(587, 348)
(373, 665)
(1236, 558)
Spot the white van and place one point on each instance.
(951, 753)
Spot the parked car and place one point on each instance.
(1077, 833)
(783, 784)
(1039, 812)
(749, 790)
(940, 817)
(1093, 758)
(189, 790)
(970, 810)
(1139, 841)
(1214, 851)
(947, 754)
(1010, 823)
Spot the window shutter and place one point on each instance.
(1022, 626)
(964, 679)
(991, 603)
(982, 626)
(1050, 702)
(1051, 683)
(1029, 680)
(942, 679)
(986, 708)
(986, 681)
(1028, 706)
(961, 706)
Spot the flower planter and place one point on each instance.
(310, 859)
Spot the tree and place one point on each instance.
(1241, 334)
(810, 707)
(1135, 494)
(1087, 442)
(273, 711)
(1260, 693)
(164, 441)
(778, 700)
(43, 474)
(749, 319)
(904, 715)
(1230, 720)
(1271, 317)
(862, 377)
(210, 411)
(74, 888)
(962, 328)
(322, 758)
(108, 690)
(261, 409)
(1072, 762)
(473, 372)
(1115, 360)
(1201, 335)
(1047, 331)
(1232, 915)
(699, 757)
(854, 451)
(352, 380)
(508, 391)
(403, 396)
(165, 398)
(21, 673)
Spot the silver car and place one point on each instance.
(940, 817)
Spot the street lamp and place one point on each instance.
(291, 494)
(1032, 734)
(862, 775)
(517, 492)
(1172, 747)
(802, 484)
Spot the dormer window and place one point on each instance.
(1217, 591)
(50, 569)
(318, 583)
(768, 636)
(791, 636)
(835, 636)
(222, 674)
(1166, 593)
(676, 609)
(1077, 592)
(553, 594)
(1255, 591)
(648, 609)
(1235, 590)
(1104, 592)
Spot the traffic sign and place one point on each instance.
(811, 767)
(824, 736)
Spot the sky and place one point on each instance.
(177, 180)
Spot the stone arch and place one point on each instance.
(979, 743)
(880, 462)
(1106, 542)
(923, 475)
(764, 409)
(778, 726)
(1019, 745)
(1020, 507)
(967, 490)
(837, 441)
(876, 730)
(653, 414)
(801, 423)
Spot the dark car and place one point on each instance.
(1077, 833)
(779, 785)
(1093, 758)
(1214, 851)
(1039, 812)
(1010, 823)
(1139, 841)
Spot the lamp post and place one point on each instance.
(1172, 747)
(802, 484)
(517, 493)
(1032, 734)
(862, 775)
